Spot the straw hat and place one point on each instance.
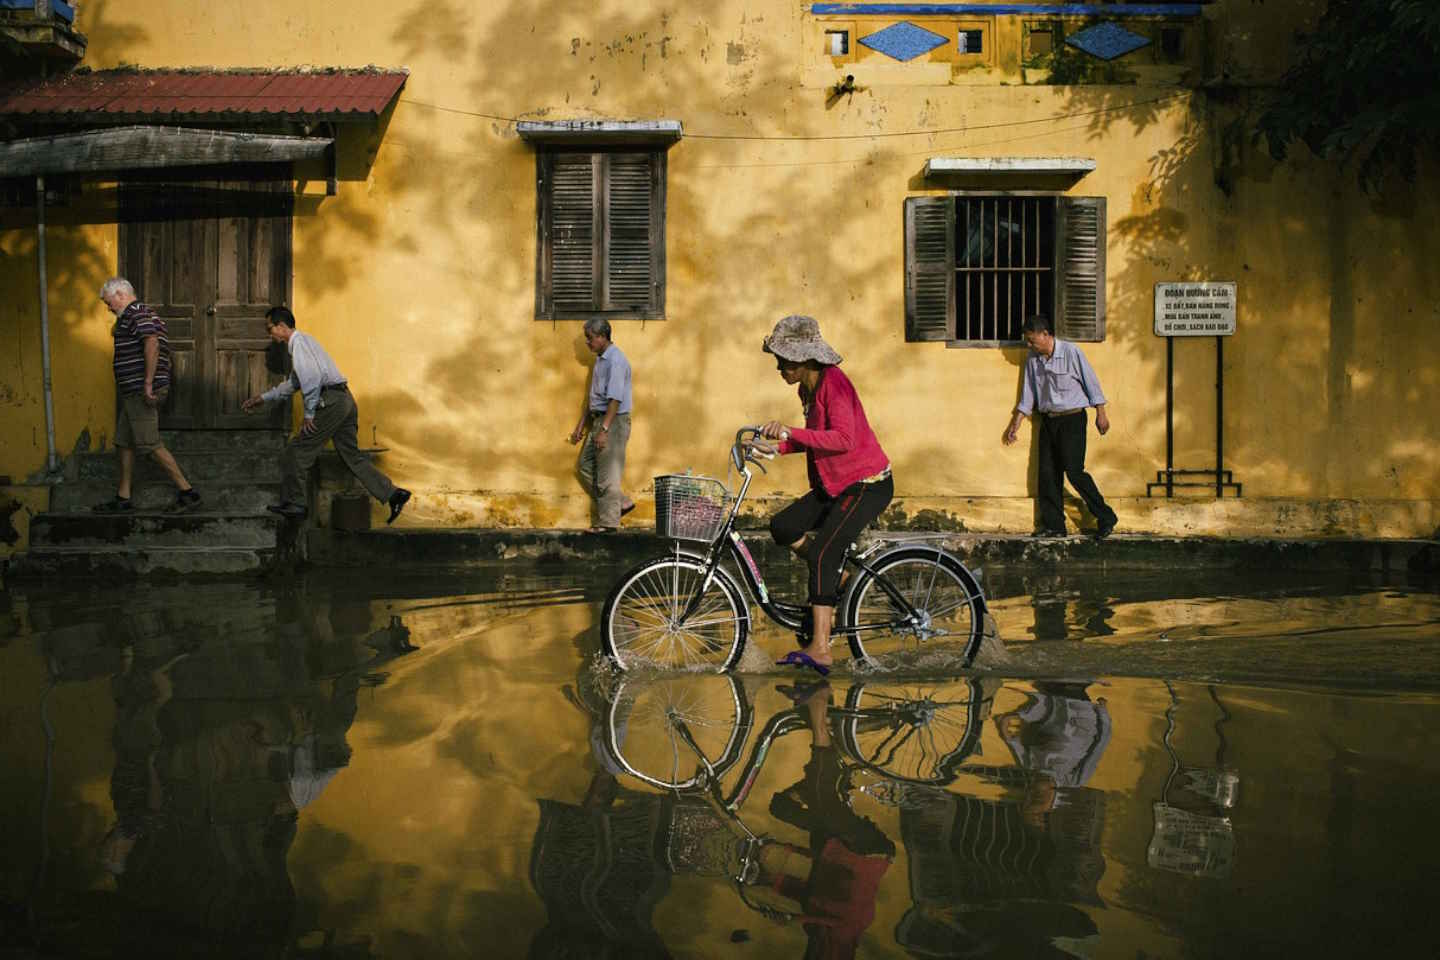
(797, 339)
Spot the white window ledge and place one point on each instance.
(1039, 166)
(600, 131)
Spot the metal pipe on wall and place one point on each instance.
(51, 461)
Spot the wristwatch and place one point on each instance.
(604, 428)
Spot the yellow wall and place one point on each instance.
(419, 275)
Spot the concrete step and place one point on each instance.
(259, 441)
(140, 531)
(155, 495)
(44, 563)
(201, 467)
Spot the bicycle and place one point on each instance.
(684, 609)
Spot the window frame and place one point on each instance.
(1078, 265)
(602, 156)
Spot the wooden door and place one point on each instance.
(211, 257)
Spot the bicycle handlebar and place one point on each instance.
(743, 451)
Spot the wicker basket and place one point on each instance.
(689, 507)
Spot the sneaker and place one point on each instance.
(288, 509)
(185, 500)
(116, 504)
(397, 502)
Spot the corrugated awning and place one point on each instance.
(204, 95)
(140, 148)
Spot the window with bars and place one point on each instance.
(601, 247)
(977, 264)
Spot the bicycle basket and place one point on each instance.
(688, 507)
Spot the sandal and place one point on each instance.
(602, 530)
(799, 658)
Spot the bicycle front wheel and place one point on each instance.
(945, 596)
(643, 728)
(643, 621)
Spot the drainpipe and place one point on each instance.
(50, 458)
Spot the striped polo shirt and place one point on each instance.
(135, 323)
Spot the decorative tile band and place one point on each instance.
(1111, 11)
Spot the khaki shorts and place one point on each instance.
(137, 423)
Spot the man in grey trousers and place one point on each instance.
(607, 417)
(330, 414)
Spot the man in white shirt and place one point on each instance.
(1058, 385)
(330, 414)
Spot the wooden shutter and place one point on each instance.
(631, 266)
(568, 239)
(1080, 256)
(601, 244)
(929, 268)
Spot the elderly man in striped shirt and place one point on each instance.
(142, 383)
(330, 414)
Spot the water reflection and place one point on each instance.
(396, 768)
(220, 738)
(1014, 876)
(1193, 833)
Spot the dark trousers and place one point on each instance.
(337, 422)
(1062, 457)
(837, 522)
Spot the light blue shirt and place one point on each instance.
(311, 370)
(1062, 381)
(610, 381)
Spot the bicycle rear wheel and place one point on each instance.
(914, 732)
(641, 622)
(642, 723)
(945, 595)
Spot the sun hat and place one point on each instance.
(797, 339)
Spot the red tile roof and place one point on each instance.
(129, 94)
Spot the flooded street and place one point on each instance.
(350, 765)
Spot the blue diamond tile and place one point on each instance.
(1107, 41)
(903, 41)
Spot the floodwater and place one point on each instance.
(341, 765)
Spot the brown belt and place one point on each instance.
(1063, 413)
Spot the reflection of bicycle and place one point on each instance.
(658, 730)
(684, 609)
(672, 732)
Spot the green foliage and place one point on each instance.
(1363, 89)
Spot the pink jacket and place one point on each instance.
(840, 448)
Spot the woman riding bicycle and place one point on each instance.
(850, 483)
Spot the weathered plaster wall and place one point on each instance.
(419, 276)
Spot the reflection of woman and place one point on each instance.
(837, 878)
(850, 480)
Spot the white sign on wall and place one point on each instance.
(1194, 309)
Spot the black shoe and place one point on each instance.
(185, 500)
(397, 502)
(288, 509)
(115, 504)
(1045, 533)
(1105, 529)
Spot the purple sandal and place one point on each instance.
(799, 658)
